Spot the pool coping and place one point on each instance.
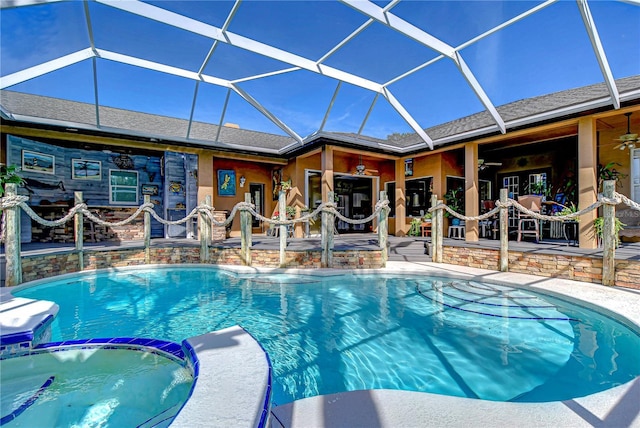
(391, 408)
(227, 393)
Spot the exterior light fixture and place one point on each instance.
(242, 181)
(628, 140)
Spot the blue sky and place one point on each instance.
(546, 52)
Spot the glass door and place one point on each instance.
(635, 175)
(313, 198)
(512, 184)
(257, 198)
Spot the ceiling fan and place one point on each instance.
(361, 169)
(482, 165)
(629, 140)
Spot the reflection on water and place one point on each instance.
(327, 335)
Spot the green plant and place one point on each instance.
(539, 188)
(414, 228)
(9, 174)
(609, 172)
(291, 212)
(568, 210)
(286, 185)
(598, 225)
(455, 201)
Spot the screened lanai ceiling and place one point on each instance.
(386, 72)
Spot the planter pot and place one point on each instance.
(455, 221)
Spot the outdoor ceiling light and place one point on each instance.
(629, 140)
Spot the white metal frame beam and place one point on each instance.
(590, 26)
(426, 39)
(45, 67)
(9, 4)
(296, 62)
(188, 24)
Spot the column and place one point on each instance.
(400, 200)
(205, 176)
(587, 180)
(471, 190)
(327, 172)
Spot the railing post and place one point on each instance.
(245, 232)
(434, 229)
(204, 232)
(439, 234)
(383, 230)
(78, 230)
(282, 210)
(147, 232)
(504, 231)
(12, 240)
(328, 226)
(609, 238)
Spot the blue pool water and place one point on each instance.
(92, 387)
(351, 332)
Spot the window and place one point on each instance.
(635, 175)
(390, 187)
(418, 196)
(512, 184)
(485, 190)
(123, 187)
(537, 184)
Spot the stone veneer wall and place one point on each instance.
(587, 269)
(129, 232)
(45, 266)
(134, 231)
(568, 267)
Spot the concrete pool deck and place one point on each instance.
(617, 407)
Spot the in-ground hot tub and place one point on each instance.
(119, 382)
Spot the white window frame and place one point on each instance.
(512, 184)
(123, 189)
(635, 175)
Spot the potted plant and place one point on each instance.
(598, 224)
(9, 174)
(455, 201)
(609, 172)
(568, 210)
(414, 228)
(540, 188)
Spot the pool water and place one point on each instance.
(92, 388)
(332, 334)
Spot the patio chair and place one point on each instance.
(489, 227)
(425, 228)
(528, 225)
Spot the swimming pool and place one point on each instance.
(92, 385)
(350, 332)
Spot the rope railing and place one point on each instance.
(206, 211)
(608, 199)
(631, 204)
(12, 204)
(602, 200)
(20, 201)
